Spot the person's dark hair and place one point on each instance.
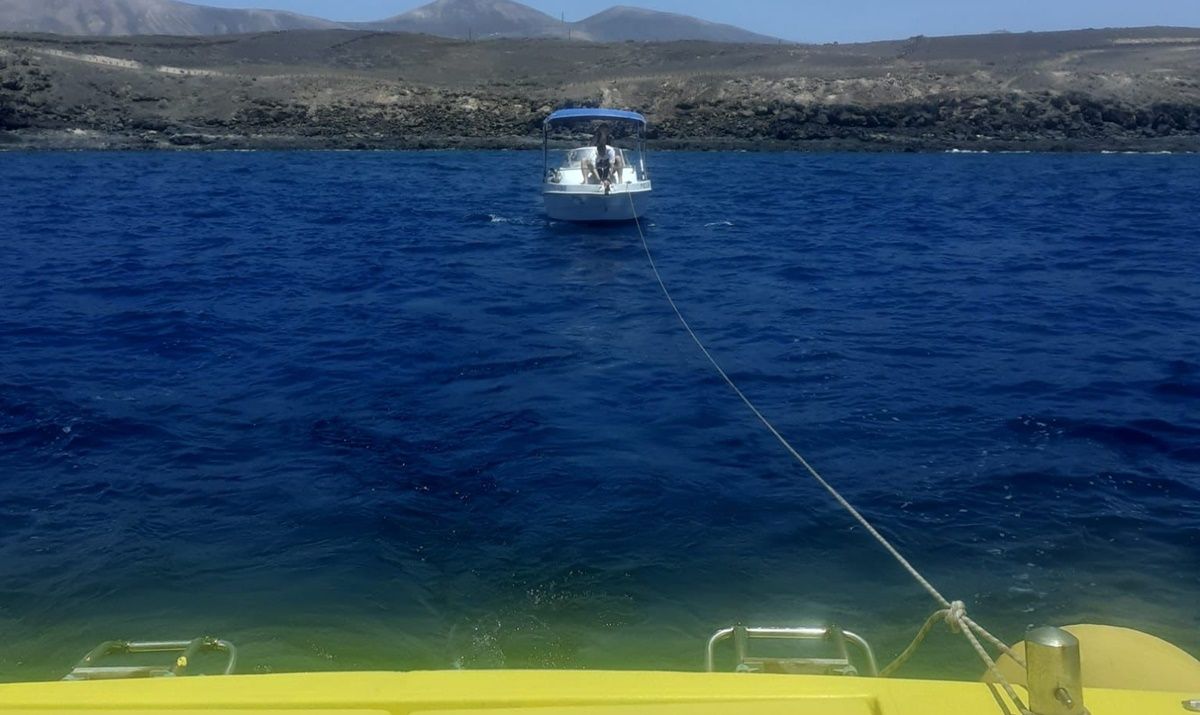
(602, 137)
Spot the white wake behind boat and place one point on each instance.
(571, 195)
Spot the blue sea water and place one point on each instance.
(374, 411)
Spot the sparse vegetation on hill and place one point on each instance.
(1113, 89)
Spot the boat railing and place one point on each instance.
(89, 669)
(838, 663)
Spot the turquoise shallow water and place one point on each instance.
(373, 411)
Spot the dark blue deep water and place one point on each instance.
(373, 411)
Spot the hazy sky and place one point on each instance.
(822, 20)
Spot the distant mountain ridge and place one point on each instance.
(145, 17)
(622, 23)
(444, 18)
(472, 18)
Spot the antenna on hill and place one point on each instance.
(563, 14)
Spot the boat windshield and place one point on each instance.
(575, 157)
(562, 163)
(571, 166)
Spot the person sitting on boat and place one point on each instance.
(605, 166)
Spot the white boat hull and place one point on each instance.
(588, 202)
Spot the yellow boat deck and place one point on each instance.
(544, 692)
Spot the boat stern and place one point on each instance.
(588, 202)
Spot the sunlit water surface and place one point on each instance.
(374, 411)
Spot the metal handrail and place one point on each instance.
(799, 633)
(87, 669)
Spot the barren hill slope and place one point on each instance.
(623, 22)
(460, 19)
(1110, 89)
(473, 18)
(144, 17)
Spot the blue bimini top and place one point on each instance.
(595, 113)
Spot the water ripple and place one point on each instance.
(365, 410)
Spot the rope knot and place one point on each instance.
(955, 615)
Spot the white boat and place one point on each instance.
(572, 193)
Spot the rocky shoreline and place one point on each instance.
(74, 94)
(75, 140)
